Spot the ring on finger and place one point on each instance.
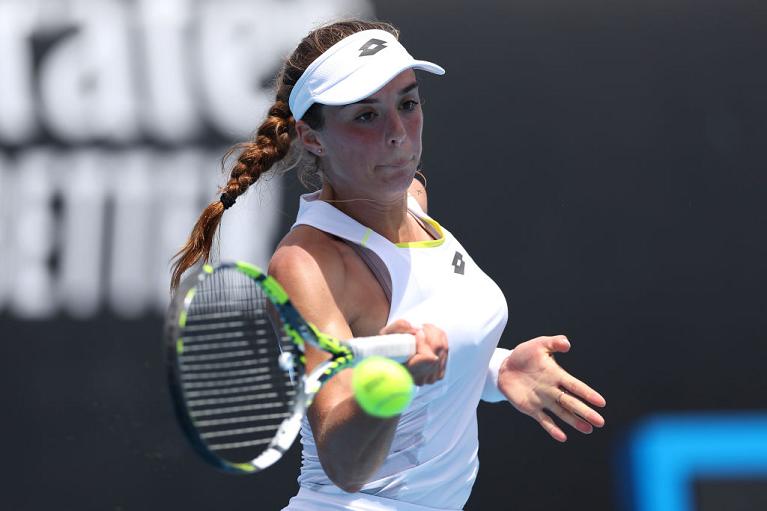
(559, 397)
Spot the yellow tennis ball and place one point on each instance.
(383, 387)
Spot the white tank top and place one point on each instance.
(433, 460)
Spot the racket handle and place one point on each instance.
(399, 347)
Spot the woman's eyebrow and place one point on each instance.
(372, 100)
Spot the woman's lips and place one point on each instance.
(398, 164)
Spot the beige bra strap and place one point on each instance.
(376, 265)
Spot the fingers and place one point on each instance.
(552, 392)
(572, 411)
(581, 391)
(578, 388)
(438, 342)
(576, 413)
(429, 362)
(572, 419)
(423, 364)
(399, 326)
(556, 344)
(547, 423)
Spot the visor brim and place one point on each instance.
(365, 82)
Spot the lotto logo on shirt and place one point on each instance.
(458, 263)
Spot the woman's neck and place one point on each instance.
(390, 218)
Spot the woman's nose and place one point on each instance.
(396, 133)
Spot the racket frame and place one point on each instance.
(300, 332)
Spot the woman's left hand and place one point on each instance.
(535, 384)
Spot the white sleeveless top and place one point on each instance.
(433, 459)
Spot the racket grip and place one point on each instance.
(399, 347)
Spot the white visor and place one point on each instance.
(353, 69)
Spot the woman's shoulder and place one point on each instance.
(323, 273)
(309, 265)
(307, 252)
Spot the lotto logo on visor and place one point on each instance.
(341, 77)
(372, 47)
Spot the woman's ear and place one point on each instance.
(308, 138)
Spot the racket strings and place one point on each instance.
(238, 384)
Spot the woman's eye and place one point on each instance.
(366, 117)
(409, 105)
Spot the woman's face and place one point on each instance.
(371, 149)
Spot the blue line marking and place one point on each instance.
(668, 452)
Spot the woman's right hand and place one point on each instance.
(428, 364)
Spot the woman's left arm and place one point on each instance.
(533, 382)
(536, 385)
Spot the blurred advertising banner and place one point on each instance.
(114, 117)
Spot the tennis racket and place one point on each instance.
(236, 364)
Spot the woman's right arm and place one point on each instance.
(351, 444)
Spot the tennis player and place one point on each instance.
(363, 258)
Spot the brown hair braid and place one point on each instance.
(272, 141)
